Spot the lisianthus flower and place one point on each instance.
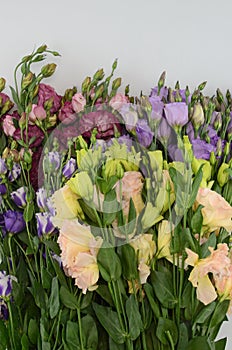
(162, 94)
(176, 114)
(216, 211)
(67, 114)
(37, 113)
(44, 224)
(79, 249)
(8, 125)
(144, 247)
(78, 102)
(19, 197)
(157, 107)
(6, 284)
(118, 101)
(223, 283)
(217, 263)
(144, 133)
(15, 172)
(69, 168)
(14, 221)
(3, 167)
(45, 93)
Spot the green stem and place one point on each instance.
(11, 254)
(12, 337)
(79, 322)
(170, 340)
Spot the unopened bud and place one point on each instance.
(178, 98)
(145, 103)
(27, 80)
(218, 121)
(212, 158)
(127, 90)
(202, 85)
(227, 149)
(114, 65)
(2, 84)
(177, 86)
(99, 91)
(7, 106)
(116, 83)
(198, 115)
(223, 174)
(27, 157)
(41, 49)
(99, 75)
(48, 104)
(85, 84)
(48, 70)
(170, 95)
(219, 147)
(51, 121)
(161, 81)
(220, 97)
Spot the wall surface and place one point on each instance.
(190, 40)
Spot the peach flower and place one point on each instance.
(217, 212)
(78, 102)
(79, 249)
(217, 263)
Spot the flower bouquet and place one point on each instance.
(116, 214)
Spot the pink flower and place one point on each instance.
(67, 114)
(118, 101)
(217, 263)
(8, 125)
(217, 212)
(78, 102)
(79, 249)
(46, 92)
(37, 113)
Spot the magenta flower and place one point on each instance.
(67, 114)
(46, 92)
(33, 131)
(176, 114)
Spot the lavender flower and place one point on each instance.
(3, 167)
(19, 197)
(41, 198)
(44, 224)
(3, 189)
(6, 284)
(163, 92)
(15, 172)
(202, 149)
(164, 131)
(157, 107)
(14, 221)
(53, 161)
(144, 133)
(69, 168)
(176, 114)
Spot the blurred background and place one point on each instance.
(191, 41)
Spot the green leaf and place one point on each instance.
(109, 263)
(165, 327)
(71, 336)
(53, 246)
(129, 262)
(199, 343)
(114, 346)
(204, 314)
(104, 293)
(89, 331)
(28, 212)
(219, 313)
(2, 143)
(134, 317)
(68, 299)
(195, 187)
(221, 344)
(16, 99)
(46, 278)
(162, 285)
(86, 300)
(110, 208)
(24, 342)
(33, 331)
(183, 337)
(59, 273)
(211, 242)
(54, 301)
(39, 295)
(4, 336)
(109, 320)
(151, 298)
(197, 220)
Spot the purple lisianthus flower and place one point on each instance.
(6, 284)
(3, 167)
(46, 92)
(14, 173)
(4, 314)
(44, 224)
(163, 92)
(52, 162)
(41, 198)
(14, 221)
(176, 113)
(157, 107)
(144, 133)
(2, 225)
(69, 168)
(3, 189)
(202, 149)
(164, 131)
(175, 153)
(19, 197)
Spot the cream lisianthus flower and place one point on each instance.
(79, 249)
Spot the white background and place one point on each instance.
(190, 40)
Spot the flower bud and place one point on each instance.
(218, 121)
(99, 91)
(41, 49)
(223, 174)
(212, 158)
(220, 97)
(2, 84)
(48, 70)
(7, 106)
(69, 168)
(161, 81)
(27, 80)
(202, 86)
(85, 84)
(228, 96)
(99, 75)
(116, 83)
(114, 65)
(197, 115)
(27, 157)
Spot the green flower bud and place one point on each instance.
(161, 81)
(223, 174)
(202, 86)
(127, 89)
(48, 70)
(41, 49)
(7, 106)
(85, 84)
(2, 84)
(178, 98)
(177, 86)
(27, 157)
(220, 97)
(99, 75)
(145, 103)
(218, 121)
(228, 96)
(114, 65)
(212, 158)
(116, 83)
(27, 80)
(206, 169)
(48, 104)
(197, 115)
(99, 91)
